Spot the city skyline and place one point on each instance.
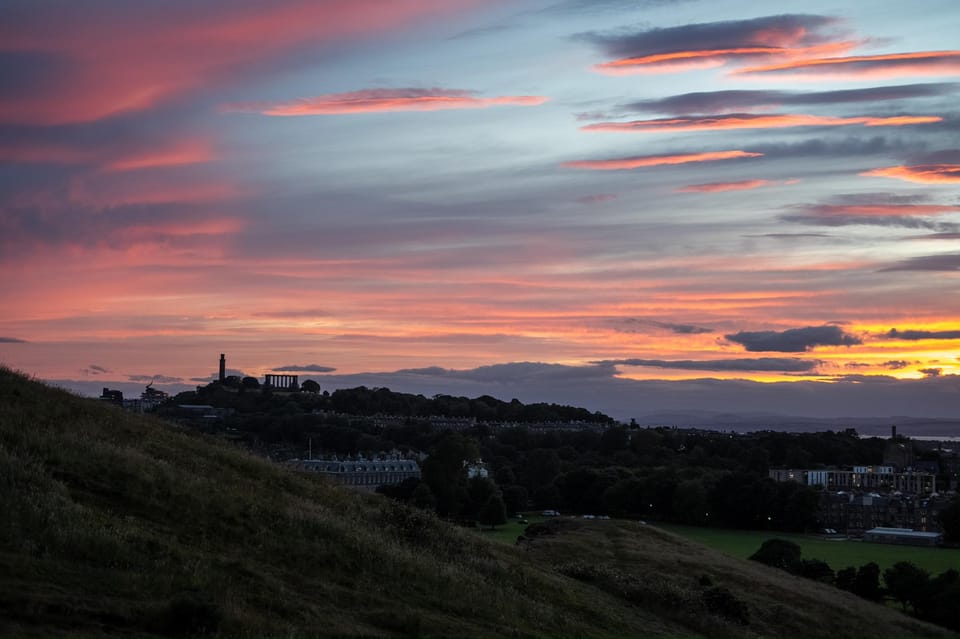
(690, 204)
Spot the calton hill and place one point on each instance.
(193, 522)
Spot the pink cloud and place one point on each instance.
(719, 187)
(753, 121)
(180, 153)
(920, 173)
(891, 65)
(378, 100)
(696, 60)
(619, 164)
(140, 56)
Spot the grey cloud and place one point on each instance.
(790, 236)
(215, 376)
(94, 369)
(304, 368)
(913, 335)
(703, 36)
(635, 324)
(158, 379)
(710, 101)
(785, 364)
(793, 340)
(895, 364)
(817, 216)
(12, 340)
(945, 262)
(931, 372)
(833, 147)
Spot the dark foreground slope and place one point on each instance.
(116, 524)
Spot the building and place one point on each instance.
(281, 382)
(903, 536)
(855, 513)
(860, 478)
(362, 474)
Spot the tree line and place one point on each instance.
(928, 597)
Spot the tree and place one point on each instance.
(494, 512)
(779, 553)
(249, 383)
(908, 584)
(309, 386)
(950, 520)
(817, 570)
(614, 439)
(845, 578)
(515, 497)
(423, 498)
(867, 582)
(690, 502)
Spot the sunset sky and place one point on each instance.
(629, 205)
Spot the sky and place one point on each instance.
(629, 205)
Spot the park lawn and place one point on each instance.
(838, 554)
(508, 532)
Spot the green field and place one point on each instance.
(839, 554)
(508, 532)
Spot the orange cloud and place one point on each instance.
(182, 153)
(891, 65)
(718, 187)
(377, 100)
(753, 121)
(920, 173)
(620, 164)
(707, 59)
(883, 210)
(131, 60)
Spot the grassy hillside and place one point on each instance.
(117, 524)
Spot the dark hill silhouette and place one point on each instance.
(116, 524)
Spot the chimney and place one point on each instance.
(893, 432)
(223, 367)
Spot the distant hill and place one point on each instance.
(748, 422)
(114, 524)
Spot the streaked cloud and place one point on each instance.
(303, 368)
(92, 63)
(917, 334)
(720, 187)
(777, 364)
(943, 262)
(712, 44)
(156, 379)
(619, 164)
(919, 173)
(879, 214)
(12, 340)
(640, 324)
(754, 121)
(794, 340)
(889, 65)
(741, 99)
(380, 100)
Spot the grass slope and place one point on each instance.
(115, 524)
